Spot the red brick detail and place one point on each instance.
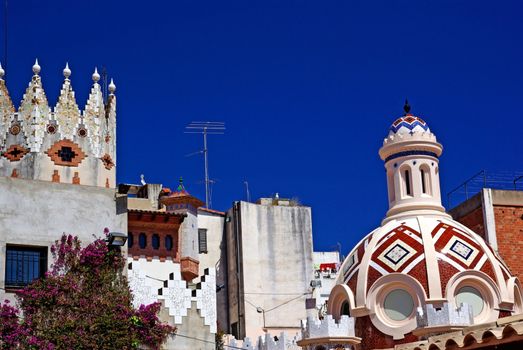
(108, 161)
(15, 152)
(509, 231)
(56, 176)
(151, 223)
(474, 221)
(189, 268)
(55, 149)
(76, 178)
(14, 173)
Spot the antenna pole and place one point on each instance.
(206, 167)
(206, 128)
(5, 38)
(247, 189)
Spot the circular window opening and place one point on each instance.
(471, 296)
(345, 309)
(82, 132)
(51, 129)
(398, 305)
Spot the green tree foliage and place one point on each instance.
(84, 302)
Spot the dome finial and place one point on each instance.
(406, 107)
(36, 67)
(112, 86)
(67, 71)
(96, 76)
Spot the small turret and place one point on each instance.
(411, 155)
(60, 144)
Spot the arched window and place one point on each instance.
(345, 309)
(407, 185)
(130, 240)
(156, 241)
(169, 242)
(425, 179)
(142, 240)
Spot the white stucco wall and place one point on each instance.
(215, 258)
(36, 213)
(277, 266)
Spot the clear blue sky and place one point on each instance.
(307, 89)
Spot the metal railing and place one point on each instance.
(500, 180)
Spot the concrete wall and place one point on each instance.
(327, 278)
(216, 257)
(189, 236)
(276, 266)
(36, 213)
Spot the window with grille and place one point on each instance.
(24, 264)
(168, 242)
(156, 241)
(142, 240)
(202, 240)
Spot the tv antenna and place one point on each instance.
(206, 128)
(5, 36)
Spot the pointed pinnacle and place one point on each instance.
(2, 71)
(112, 87)
(67, 71)
(36, 67)
(95, 75)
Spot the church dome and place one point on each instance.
(410, 262)
(419, 256)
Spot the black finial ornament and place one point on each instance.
(406, 107)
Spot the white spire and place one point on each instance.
(36, 67)
(95, 75)
(112, 87)
(2, 72)
(67, 71)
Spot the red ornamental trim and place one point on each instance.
(108, 161)
(66, 153)
(15, 152)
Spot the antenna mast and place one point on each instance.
(206, 128)
(5, 37)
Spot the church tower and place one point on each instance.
(61, 144)
(411, 153)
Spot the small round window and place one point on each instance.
(398, 305)
(471, 296)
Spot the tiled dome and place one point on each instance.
(408, 124)
(418, 260)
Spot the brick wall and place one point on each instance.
(509, 230)
(474, 221)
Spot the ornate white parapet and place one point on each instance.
(430, 319)
(328, 327)
(267, 342)
(328, 333)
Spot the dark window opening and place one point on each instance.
(423, 184)
(202, 240)
(156, 241)
(130, 240)
(345, 309)
(142, 240)
(24, 265)
(66, 154)
(407, 183)
(168, 242)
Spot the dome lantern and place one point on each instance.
(411, 155)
